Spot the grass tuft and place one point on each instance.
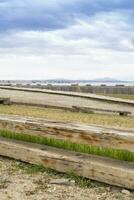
(122, 96)
(67, 145)
(80, 181)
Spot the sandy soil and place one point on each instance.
(60, 100)
(17, 182)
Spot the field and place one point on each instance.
(61, 145)
(61, 100)
(122, 96)
(59, 114)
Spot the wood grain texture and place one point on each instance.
(5, 101)
(102, 169)
(73, 94)
(100, 110)
(80, 133)
(65, 99)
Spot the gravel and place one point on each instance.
(17, 183)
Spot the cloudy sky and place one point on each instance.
(75, 39)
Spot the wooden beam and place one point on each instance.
(84, 134)
(5, 101)
(92, 110)
(73, 94)
(89, 110)
(102, 169)
(69, 108)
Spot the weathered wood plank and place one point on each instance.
(91, 110)
(84, 134)
(44, 98)
(76, 108)
(5, 101)
(102, 169)
(74, 94)
(43, 105)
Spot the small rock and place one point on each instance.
(62, 182)
(108, 189)
(127, 192)
(72, 182)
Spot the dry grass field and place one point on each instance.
(61, 100)
(122, 96)
(18, 180)
(59, 114)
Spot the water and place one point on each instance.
(81, 83)
(89, 83)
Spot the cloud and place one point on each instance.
(53, 38)
(52, 14)
(101, 31)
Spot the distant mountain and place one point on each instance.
(106, 80)
(66, 81)
(110, 80)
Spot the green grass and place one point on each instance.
(67, 145)
(58, 114)
(80, 181)
(122, 96)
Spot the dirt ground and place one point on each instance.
(18, 181)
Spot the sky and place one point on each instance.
(71, 39)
